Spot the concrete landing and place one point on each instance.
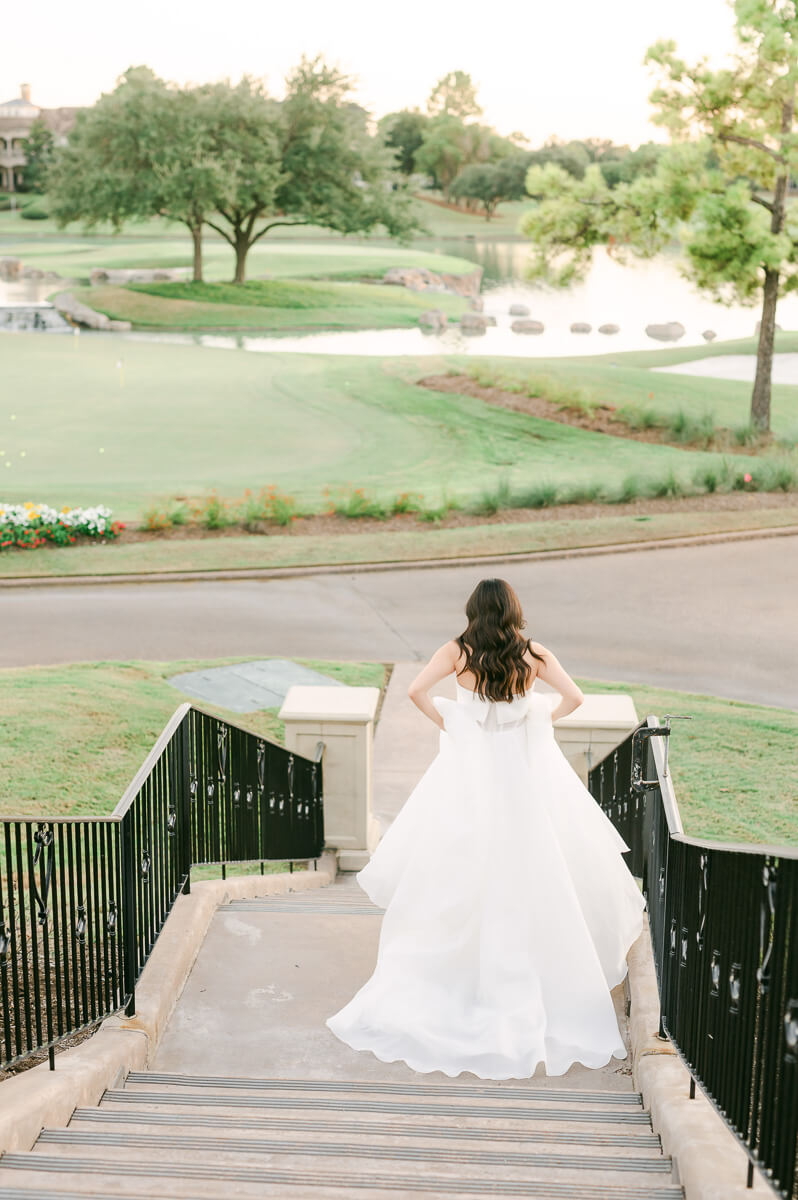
(265, 981)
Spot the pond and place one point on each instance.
(631, 298)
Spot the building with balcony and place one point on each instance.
(16, 120)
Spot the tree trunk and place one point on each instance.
(760, 398)
(196, 237)
(241, 249)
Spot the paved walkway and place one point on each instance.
(717, 618)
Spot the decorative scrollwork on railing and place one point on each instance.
(80, 925)
(43, 837)
(171, 822)
(290, 773)
(735, 987)
(210, 791)
(791, 1030)
(767, 911)
(261, 764)
(236, 795)
(4, 944)
(249, 797)
(146, 863)
(111, 921)
(703, 892)
(714, 973)
(221, 745)
(193, 787)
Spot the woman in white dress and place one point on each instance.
(508, 907)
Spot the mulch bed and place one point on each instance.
(603, 419)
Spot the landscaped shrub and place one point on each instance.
(30, 525)
(269, 504)
(537, 495)
(355, 502)
(34, 212)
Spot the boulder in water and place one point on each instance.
(526, 325)
(581, 327)
(609, 329)
(670, 331)
(518, 310)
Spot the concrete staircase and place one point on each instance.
(165, 1135)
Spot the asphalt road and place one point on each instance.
(721, 619)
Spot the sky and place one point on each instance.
(572, 68)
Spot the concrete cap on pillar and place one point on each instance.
(330, 704)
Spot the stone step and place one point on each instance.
(500, 1089)
(339, 907)
(635, 1139)
(88, 1176)
(162, 1099)
(180, 1145)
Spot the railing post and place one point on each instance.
(129, 915)
(184, 805)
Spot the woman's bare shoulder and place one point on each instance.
(538, 648)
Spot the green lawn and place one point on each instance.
(74, 736)
(75, 256)
(733, 764)
(76, 428)
(265, 305)
(248, 552)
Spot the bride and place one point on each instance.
(508, 907)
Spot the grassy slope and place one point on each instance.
(733, 764)
(76, 428)
(626, 380)
(265, 306)
(74, 736)
(256, 551)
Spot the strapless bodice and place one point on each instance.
(528, 705)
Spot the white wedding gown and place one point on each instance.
(509, 909)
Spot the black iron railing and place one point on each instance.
(82, 900)
(724, 929)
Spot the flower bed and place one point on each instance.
(29, 525)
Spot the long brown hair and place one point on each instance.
(492, 643)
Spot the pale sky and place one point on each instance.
(566, 67)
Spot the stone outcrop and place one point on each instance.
(709, 335)
(419, 279)
(433, 320)
(139, 275)
(518, 310)
(581, 327)
(609, 329)
(473, 323)
(526, 325)
(80, 314)
(670, 331)
(10, 269)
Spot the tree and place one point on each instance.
(484, 183)
(721, 185)
(454, 96)
(449, 145)
(39, 146)
(141, 150)
(403, 133)
(325, 167)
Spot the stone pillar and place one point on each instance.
(342, 718)
(600, 724)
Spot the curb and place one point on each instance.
(40, 1097)
(708, 1160)
(413, 564)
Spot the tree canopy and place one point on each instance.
(721, 186)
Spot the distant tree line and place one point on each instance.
(474, 166)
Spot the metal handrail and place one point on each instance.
(722, 919)
(83, 899)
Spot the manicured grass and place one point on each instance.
(625, 381)
(272, 305)
(733, 764)
(263, 551)
(74, 736)
(76, 256)
(180, 419)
